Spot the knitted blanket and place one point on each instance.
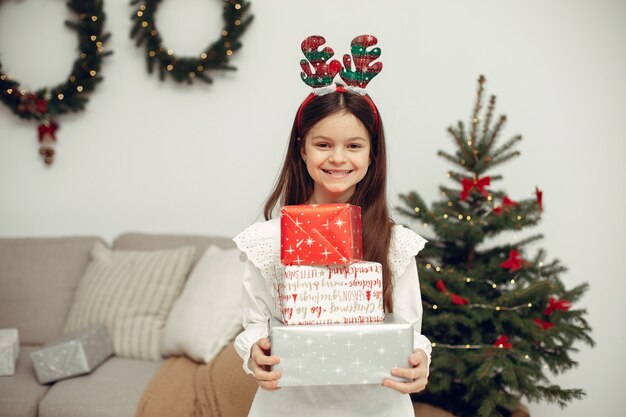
(184, 388)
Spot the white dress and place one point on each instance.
(261, 244)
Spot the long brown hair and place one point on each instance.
(295, 186)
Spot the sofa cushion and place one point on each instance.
(20, 393)
(132, 293)
(38, 278)
(111, 390)
(213, 290)
(147, 241)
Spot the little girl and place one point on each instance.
(336, 154)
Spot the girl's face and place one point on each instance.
(337, 155)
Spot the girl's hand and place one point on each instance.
(417, 375)
(260, 364)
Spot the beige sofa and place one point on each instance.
(38, 279)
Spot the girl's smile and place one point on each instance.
(337, 154)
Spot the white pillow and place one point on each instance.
(132, 293)
(208, 314)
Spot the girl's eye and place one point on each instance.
(322, 145)
(355, 146)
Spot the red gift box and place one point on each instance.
(320, 234)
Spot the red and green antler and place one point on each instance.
(364, 69)
(323, 72)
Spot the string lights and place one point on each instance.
(186, 69)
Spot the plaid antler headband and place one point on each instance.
(318, 72)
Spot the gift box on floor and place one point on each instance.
(339, 354)
(320, 234)
(352, 293)
(9, 351)
(72, 355)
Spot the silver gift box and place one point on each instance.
(340, 354)
(9, 351)
(73, 354)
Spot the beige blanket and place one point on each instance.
(184, 388)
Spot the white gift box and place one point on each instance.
(326, 294)
(72, 355)
(9, 351)
(339, 354)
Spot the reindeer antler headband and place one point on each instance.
(318, 72)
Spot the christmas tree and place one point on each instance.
(498, 317)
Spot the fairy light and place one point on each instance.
(460, 216)
(79, 88)
(192, 74)
(83, 55)
(450, 204)
(224, 33)
(139, 13)
(94, 18)
(144, 24)
(417, 209)
(200, 68)
(435, 307)
(170, 52)
(9, 91)
(237, 6)
(237, 22)
(93, 37)
(438, 269)
(60, 96)
(229, 52)
(519, 217)
(152, 54)
(203, 55)
(428, 266)
(512, 280)
(92, 73)
(468, 218)
(170, 67)
(445, 216)
(468, 279)
(153, 32)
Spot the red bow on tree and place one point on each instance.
(503, 342)
(514, 262)
(480, 184)
(506, 203)
(545, 325)
(539, 195)
(456, 299)
(554, 304)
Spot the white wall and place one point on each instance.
(161, 157)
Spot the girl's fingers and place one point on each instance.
(406, 387)
(260, 364)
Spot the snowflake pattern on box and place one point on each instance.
(320, 234)
(330, 294)
(340, 354)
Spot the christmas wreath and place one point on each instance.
(215, 56)
(70, 95)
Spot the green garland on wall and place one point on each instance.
(70, 95)
(214, 56)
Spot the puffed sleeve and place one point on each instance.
(256, 312)
(407, 298)
(260, 243)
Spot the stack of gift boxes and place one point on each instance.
(333, 328)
